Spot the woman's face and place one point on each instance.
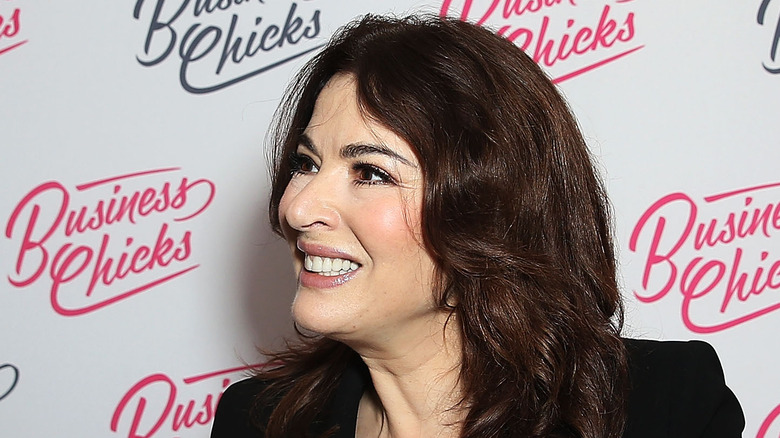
(351, 214)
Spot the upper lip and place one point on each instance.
(316, 249)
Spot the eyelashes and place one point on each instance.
(368, 174)
(363, 173)
(300, 164)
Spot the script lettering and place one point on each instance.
(54, 233)
(552, 39)
(762, 19)
(10, 26)
(155, 403)
(209, 42)
(9, 377)
(735, 276)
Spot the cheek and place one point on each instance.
(387, 217)
(394, 227)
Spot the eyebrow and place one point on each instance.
(354, 150)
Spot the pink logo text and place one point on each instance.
(157, 403)
(96, 243)
(10, 25)
(715, 253)
(771, 419)
(564, 37)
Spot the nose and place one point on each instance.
(310, 202)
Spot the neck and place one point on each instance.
(416, 391)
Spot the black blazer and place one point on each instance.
(677, 391)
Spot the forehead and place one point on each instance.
(338, 120)
(338, 96)
(336, 109)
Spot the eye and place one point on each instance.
(300, 164)
(368, 174)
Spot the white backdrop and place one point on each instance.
(138, 272)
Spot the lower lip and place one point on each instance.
(312, 279)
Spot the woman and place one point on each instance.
(455, 267)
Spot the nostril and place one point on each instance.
(304, 214)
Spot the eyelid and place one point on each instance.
(302, 149)
(299, 159)
(385, 177)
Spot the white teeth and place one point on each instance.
(328, 266)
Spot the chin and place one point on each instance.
(312, 313)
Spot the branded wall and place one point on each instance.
(139, 274)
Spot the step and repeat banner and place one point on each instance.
(138, 270)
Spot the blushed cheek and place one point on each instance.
(393, 228)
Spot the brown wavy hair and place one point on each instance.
(514, 216)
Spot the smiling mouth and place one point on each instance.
(327, 266)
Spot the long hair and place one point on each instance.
(514, 216)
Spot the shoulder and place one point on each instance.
(232, 418)
(243, 410)
(678, 390)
